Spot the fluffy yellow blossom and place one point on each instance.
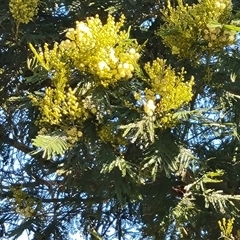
(226, 227)
(108, 134)
(82, 27)
(102, 65)
(23, 11)
(173, 89)
(55, 62)
(149, 107)
(104, 51)
(73, 134)
(56, 106)
(188, 33)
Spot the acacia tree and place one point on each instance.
(120, 119)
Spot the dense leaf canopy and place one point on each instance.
(120, 119)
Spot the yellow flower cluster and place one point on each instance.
(23, 204)
(104, 50)
(23, 11)
(56, 63)
(187, 30)
(108, 135)
(73, 134)
(226, 227)
(172, 88)
(218, 37)
(149, 107)
(101, 50)
(57, 106)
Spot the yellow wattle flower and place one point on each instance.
(23, 11)
(188, 33)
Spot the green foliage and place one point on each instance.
(37, 72)
(221, 203)
(120, 117)
(144, 128)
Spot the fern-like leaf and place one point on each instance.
(222, 203)
(50, 145)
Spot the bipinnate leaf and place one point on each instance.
(50, 145)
